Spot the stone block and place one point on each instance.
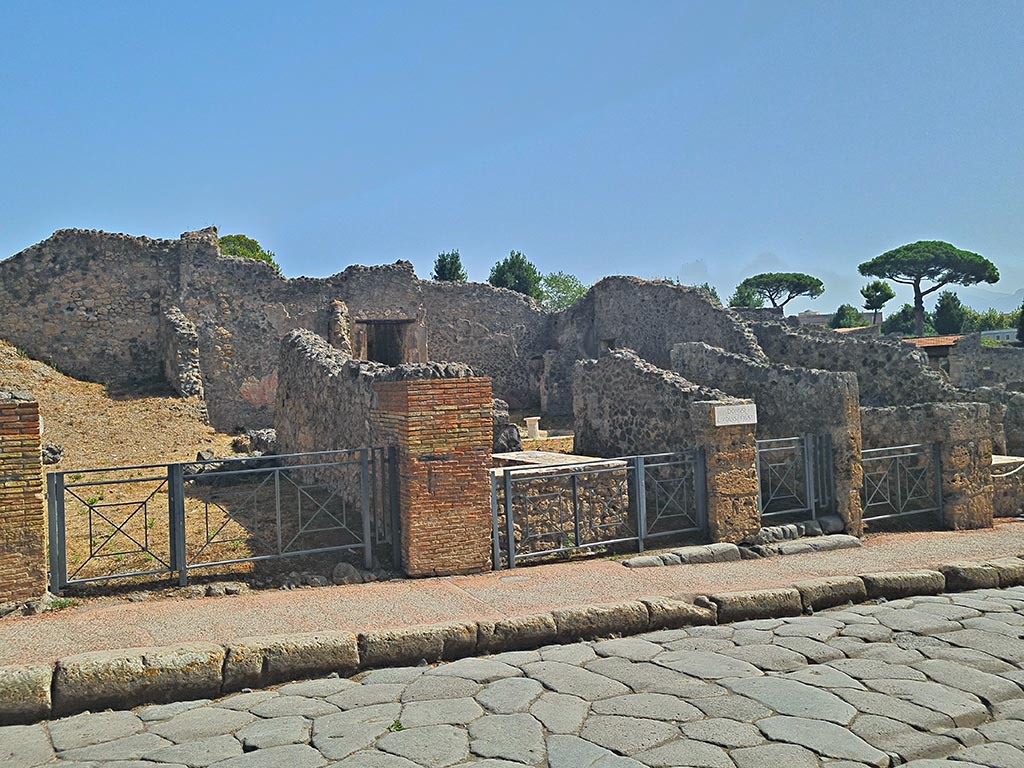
(588, 622)
(964, 576)
(644, 561)
(518, 633)
(666, 613)
(126, 678)
(830, 591)
(410, 646)
(757, 604)
(25, 693)
(1010, 570)
(896, 584)
(723, 552)
(259, 661)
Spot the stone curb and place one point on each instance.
(130, 677)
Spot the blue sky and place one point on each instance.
(704, 141)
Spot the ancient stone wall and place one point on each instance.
(22, 511)
(648, 317)
(182, 367)
(791, 402)
(1008, 485)
(973, 365)
(964, 436)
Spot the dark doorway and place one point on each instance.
(386, 340)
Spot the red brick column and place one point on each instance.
(22, 512)
(442, 428)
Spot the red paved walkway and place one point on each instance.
(506, 593)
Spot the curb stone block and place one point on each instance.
(757, 604)
(408, 647)
(586, 623)
(127, 678)
(644, 561)
(666, 613)
(25, 693)
(961, 577)
(519, 633)
(259, 661)
(893, 585)
(724, 552)
(1010, 570)
(830, 591)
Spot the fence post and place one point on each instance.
(394, 500)
(641, 501)
(495, 524)
(576, 510)
(510, 528)
(176, 520)
(54, 510)
(809, 468)
(700, 486)
(364, 489)
(937, 463)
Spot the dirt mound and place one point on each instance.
(100, 428)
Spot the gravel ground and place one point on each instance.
(924, 681)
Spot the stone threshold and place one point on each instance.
(130, 677)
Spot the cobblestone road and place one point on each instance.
(926, 681)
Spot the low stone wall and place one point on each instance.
(973, 365)
(790, 402)
(963, 433)
(1008, 485)
(22, 511)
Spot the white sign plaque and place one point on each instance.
(727, 415)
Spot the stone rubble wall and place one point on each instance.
(1008, 489)
(181, 354)
(973, 365)
(964, 436)
(791, 402)
(23, 563)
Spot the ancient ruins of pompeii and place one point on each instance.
(753, 428)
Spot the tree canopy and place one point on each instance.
(561, 290)
(244, 247)
(744, 296)
(518, 274)
(780, 288)
(846, 316)
(949, 314)
(448, 268)
(876, 294)
(902, 322)
(934, 261)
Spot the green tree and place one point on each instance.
(1020, 323)
(561, 290)
(780, 288)
(244, 247)
(448, 268)
(903, 322)
(949, 315)
(711, 291)
(933, 261)
(518, 274)
(847, 316)
(876, 294)
(746, 297)
(989, 320)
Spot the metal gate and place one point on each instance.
(901, 481)
(166, 519)
(795, 477)
(541, 511)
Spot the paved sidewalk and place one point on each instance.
(913, 681)
(523, 591)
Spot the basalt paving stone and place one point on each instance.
(887, 652)
(198, 754)
(319, 689)
(93, 728)
(391, 676)
(242, 700)
(292, 756)
(723, 732)
(478, 670)
(573, 653)
(824, 738)
(990, 688)
(901, 739)
(559, 712)
(440, 712)
(998, 625)
(871, 632)
(574, 752)
(374, 759)
(873, 669)
(515, 694)
(874, 703)
(156, 712)
(438, 687)
(655, 706)
(433, 746)
(970, 658)
(201, 723)
(821, 676)
(25, 745)
(791, 697)
(815, 651)
(650, 677)
(993, 755)
(693, 754)
(732, 706)
(368, 695)
(126, 748)
(787, 755)
(276, 732)
(631, 648)
(519, 738)
(1008, 731)
(966, 709)
(566, 678)
(700, 644)
(768, 658)
(627, 735)
(302, 706)
(707, 665)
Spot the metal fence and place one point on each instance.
(542, 511)
(154, 520)
(795, 477)
(901, 481)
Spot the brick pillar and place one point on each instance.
(22, 513)
(731, 467)
(443, 430)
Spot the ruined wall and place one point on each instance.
(624, 406)
(973, 365)
(94, 303)
(22, 511)
(964, 436)
(889, 372)
(790, 402)
(1008, 485)
(648, 317)
(182, 367)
